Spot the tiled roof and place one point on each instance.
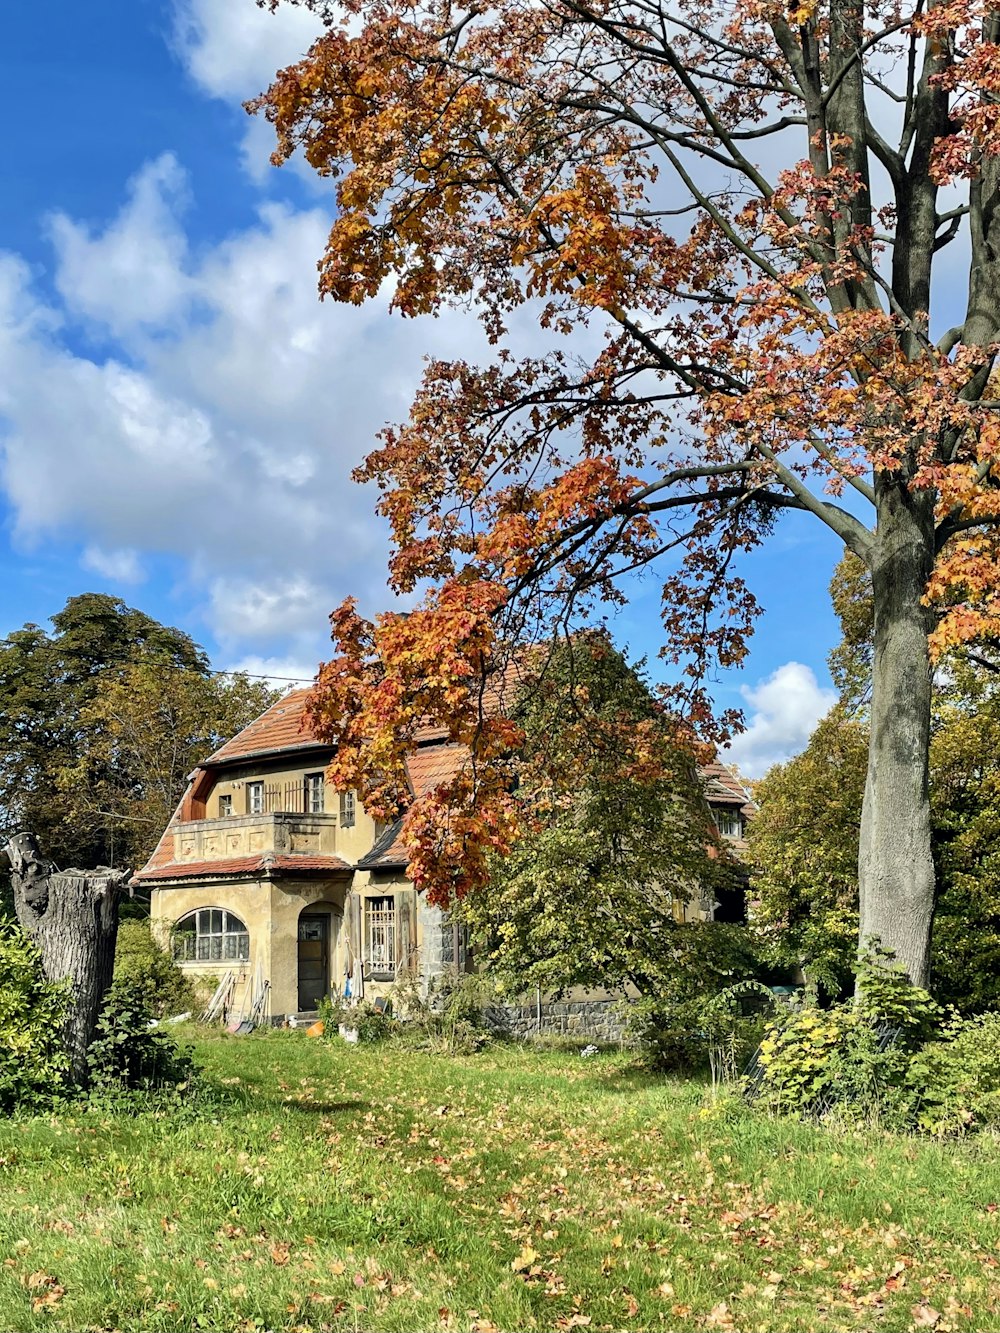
(278, 728)
(723, 787)
(430, 765)
(427, 767)
(284, 726)
(274, 864)
(387, 851)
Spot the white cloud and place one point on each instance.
(278, 608)
(281, 673)
(121, 566)
(131, 275)
(223, 426)
(233, 48)
(784, 710)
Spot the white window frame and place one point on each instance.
(315, 786)
(728, 822)
(348, 809)
(381, 927)
(225, 805)
(255, 798)
(210, 935)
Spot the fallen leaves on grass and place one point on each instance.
(46, 1291)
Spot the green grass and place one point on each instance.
(334, 1187)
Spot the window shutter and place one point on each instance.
(404, 911)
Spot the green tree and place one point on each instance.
(803, 853)
(619, 834)
(804, 840)
(65, 739)
(142, 732)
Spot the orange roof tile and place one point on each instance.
(260, 863)
(279, 727)
(723, 787)
(430, 765)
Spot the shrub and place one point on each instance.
(140, 961)
(373, 1025)
(678, 1023)
(855, 1057)
(128, 1054)
(953, 1084)
(34, 1068)
(451, 1020)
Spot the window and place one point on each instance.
(315, 791)
(225, 806)
(210, 935)
(347, 809)
(255, 798)
(729, 823)
(381, 935)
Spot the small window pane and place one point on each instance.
(211, 935)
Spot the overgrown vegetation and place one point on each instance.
(142, 963)
(34, 1066)
(892, 1058)
(451, 1019)
(128, 1054)
(329, 1187)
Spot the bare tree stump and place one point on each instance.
(72, 917)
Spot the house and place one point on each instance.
(265, 870)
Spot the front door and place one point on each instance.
(314, 960)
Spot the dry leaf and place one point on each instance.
(924, 1316)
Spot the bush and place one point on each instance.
(855, 1057)
(373, 1025)
(953, 1084)
(34, 1068)
(706, 1003)
(140, 961)
(128, 1054)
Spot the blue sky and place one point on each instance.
(179, 414)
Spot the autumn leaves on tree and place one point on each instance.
(725, 218)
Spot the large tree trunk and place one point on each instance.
(72, 916)
(895, 867)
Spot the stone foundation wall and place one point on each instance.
(598, 1020)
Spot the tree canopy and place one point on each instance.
(594, 891)
(101, 719)
(727, 224)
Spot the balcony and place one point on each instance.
(293, 798)
(282, 831)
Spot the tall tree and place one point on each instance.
(48, 683)
(141, 734)
(804, 839)
(612, 848)
(746, 206)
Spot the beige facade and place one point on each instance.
(266, 872)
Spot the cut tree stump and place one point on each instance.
(72, 918)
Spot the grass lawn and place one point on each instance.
(338, 1187)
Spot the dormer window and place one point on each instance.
(729, 822)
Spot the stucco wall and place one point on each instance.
(350, 842)
(270, 910)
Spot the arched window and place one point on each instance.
(210, 935)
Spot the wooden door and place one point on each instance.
(314, 960)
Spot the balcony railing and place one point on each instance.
(289, 798)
